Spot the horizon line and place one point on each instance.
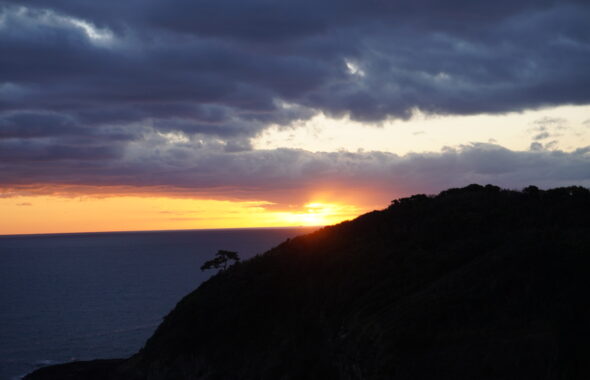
(147, 231)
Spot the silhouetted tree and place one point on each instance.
(531, 191)
(222, 260)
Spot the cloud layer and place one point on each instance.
(88, 89)
(288, 176)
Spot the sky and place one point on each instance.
(178, 114)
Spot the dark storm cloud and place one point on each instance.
(88, 84)
(452, 57)
(36, 124)
(51, 152)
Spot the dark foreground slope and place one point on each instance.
(475, 283)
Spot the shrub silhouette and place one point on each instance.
(221, 260)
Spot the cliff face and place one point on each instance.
(475, 283)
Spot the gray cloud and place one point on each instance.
(221, 66)
(290, 176)
(541, 136)
(96, 92)
(545, 128)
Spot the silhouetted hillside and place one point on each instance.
(474, 283)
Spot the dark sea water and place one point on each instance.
(84, 296)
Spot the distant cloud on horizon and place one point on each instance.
(289, 176)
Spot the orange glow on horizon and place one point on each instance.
(32, 214)
(319, 214)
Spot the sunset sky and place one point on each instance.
(178, 114)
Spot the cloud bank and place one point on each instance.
(288, 176)
(168, 93)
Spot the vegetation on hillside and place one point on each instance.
(473, 283)
(222, 260)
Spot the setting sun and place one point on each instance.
(131, 213)
(320, 214)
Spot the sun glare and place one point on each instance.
(127, 213)
(320, 214)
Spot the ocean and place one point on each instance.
(67, 297)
